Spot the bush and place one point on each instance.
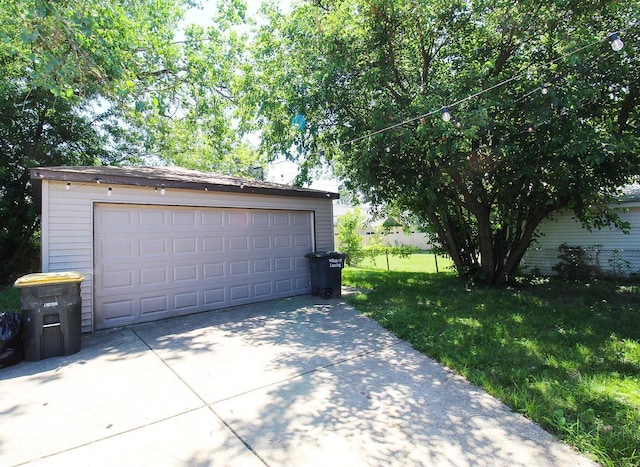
(349, 239)
(574, 263)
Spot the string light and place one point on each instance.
(446, 116)
(616, 42)
(68, 185)
(109, 191)
(162, 190)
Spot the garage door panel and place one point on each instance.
(116, 280)
(213, 297)
(261, 241)
(261, 289)
(153, 247)
(212, 218)
(212, 244)
(213, 270)
(260, 218)
(154, 305)
(284, 285)
(156, 262)
(237, 219)
(184, 245)
(183, 218)
(282, 264)
(281, 218)
(302, 240)
(151, 218)
(238, 243)
(237, 268)
(262, 265)
(154, 276)
(185, 273)
(281, 241)
(186, 301)
(118, 309)
(239, 292)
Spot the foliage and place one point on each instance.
(566, 355)
(89, 83)
(370, 78)
(349, 239)
(9, 299)
(36, 128)
(574, 263)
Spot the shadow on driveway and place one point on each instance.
(299, 381)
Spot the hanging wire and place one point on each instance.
(479, 93)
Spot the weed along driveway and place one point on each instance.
(298, 381)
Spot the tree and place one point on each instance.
(349, 239)
(89, 82)
(544, 115)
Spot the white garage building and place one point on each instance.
(161, 242)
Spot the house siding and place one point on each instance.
(67, 233)
(565, 228)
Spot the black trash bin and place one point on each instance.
(326, 273)
(51, 314)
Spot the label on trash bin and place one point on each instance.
(335, 262)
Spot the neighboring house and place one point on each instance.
(607, 250)
(163, 242)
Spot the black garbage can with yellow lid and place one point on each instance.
(51, 308)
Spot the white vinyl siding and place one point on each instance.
(564, 228)
(67, 234)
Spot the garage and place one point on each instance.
(162, 242)
(153, 262)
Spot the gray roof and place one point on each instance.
(172, 177)
(630, 193)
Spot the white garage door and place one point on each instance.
(154, 262)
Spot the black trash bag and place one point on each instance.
(11, 347)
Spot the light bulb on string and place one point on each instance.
(616, 42)
(68, 185)
(446, 116)
(162, 190)
(109, 191)
(544, 89)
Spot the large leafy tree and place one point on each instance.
(66, 71)
(544, 112)
(93, 82)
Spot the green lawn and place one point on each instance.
(423, 262)
(565, 355)
(9, 299)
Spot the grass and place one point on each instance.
(567, 356)
(423, 262)
(9, 299)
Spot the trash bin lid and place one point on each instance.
(44, 278)
(325, 254)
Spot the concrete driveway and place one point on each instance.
(300, 381)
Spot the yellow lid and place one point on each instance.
(44, 278)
